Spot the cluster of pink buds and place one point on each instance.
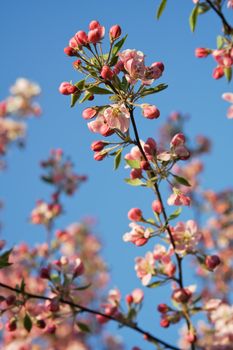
(223, 57)
(44, 213)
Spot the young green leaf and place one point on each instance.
(193, 18)
(181, 180)
(135, 164)
(175, 214)
(4, 259)
(154, 90)
(220, 42)
(74, 98)
(135, 182)
(155, 284)
(27, 322)
(117, 46)
(117, 159)
(98, 90)
(85, 97)
(228, 73)
(83, 327)
(161, 8)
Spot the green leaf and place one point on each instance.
(80, 84)
(47, 179)
(117, 46)
(98, 90)
(27, 322)
(117, 159)
(181, 180)
(135, 164)
(193, 18)
(228, 73)
(155, 284)
(113, 61)
(220, 41)
(74, 98)
(135, 182)
(154, 90)
(161, 8)
(175, 214)
(85, 97)
(83, 327)
(203, 8)
(4, 259)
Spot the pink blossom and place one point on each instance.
(178, 198)
(186, 237)
(138, 235)
(230, 4)
(99, 125)
(228, 96)
(117, 117)
(137, 295)
(144, 268)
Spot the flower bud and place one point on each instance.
(201, 52)
(191, 337)
(160, 65)
(163, 308)
(79, 268)
(106, 73)
(177, 140)
(218, 73)
(97, 146)
(212, 261)
(91, 98)
(144, 165)
(150, 112)
(89, 113)
(100, 155)
(51, 329)
(101, 319)
(94, 25)
(136, 174)
(115, 32)
(77, 64)
(81, 38)
(69, 51)
(165, 323)
(129, 299)
(67, 89)
(157, 206)
(10, 299)
(40, 324)
(135, 214)
(11, 325)
(45, 273)
(181, 295)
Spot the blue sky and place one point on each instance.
(33, 35)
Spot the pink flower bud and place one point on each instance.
(99, 155)
(101, 319)
(165, 323)
(67, 89)
(144, 165)
(69, 51)
(137, 295)
(181, 295)
(94, 24)
(53, 306)
(119, 67)
(141, 241)
(10, 300)
(129, 299)
(115, 32)
(97, 146)
(201, 52)
(44, 273)
(157, 206)
(212, 261)
(89, 113)
(81, 38)
(150, 112)
(91, 98)
(11, 326)
(106, 73)
(163, 308)
(136, 174)
(96, 34)
(135, 214)
(177, 140)
(191, 337)
(218, 73)
(77, 64)
(160, 65)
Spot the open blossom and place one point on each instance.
(134, 65)
(144, 268)
(186, 237)
(117, 117)
(25, 88)
(178, 198)
(44, 213)
(138, 235)
(228, 96)
(100, 125)
(230, 4)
